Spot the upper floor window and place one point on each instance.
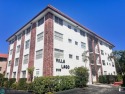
(82, 33)
(23, 74)
(76, 43)
(58, 53)
(9, 63)
(58, 36)
(69, 40)
(58, 20)
(11, 51)
(40, 37)
(103, 61)
(16, 61)
(102, 52)
(27, 44)
(38, 54)
(28, 30)
(26, 59)
(18, 48)
(70, 56)
(100, 42)
(75, 29)
(77, 57)
(19, 36)
(83, 45)
(69, 26)
(41, 21)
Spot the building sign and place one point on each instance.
(60, 60)
(65, 66)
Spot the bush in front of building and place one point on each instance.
(81, 76)
(11, 81)
(52, 84)
(22, 85)
(108, 79)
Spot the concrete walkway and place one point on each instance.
(94, 89)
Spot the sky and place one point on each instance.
(104, 17)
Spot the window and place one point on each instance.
(7, 75)
(69, 40)
(58, 36)
(28, 30)
(100, 42)
(11, 51)
(82, 33)
(39, 54)
(41, 21)
(75, 29)
(18, 49)
(37, 72)
(19, 36)
(58, 53)
(58, 20)
(23, 74)
(102, 52)
(77, 57)
(103, 61)
(40, 37)
(16, 61)
(70, 56)
(26, 58)
(14, 74)
(0, 68)
(76, 43)
(105, 72)
(107, 63)
(9, 64)
(83, 45)
(69, 26)
(27, 44)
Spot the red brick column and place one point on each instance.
(94, 55)
(21, 56)
(89, 60)
(100, 58)
(32, 47)
(13, 57)
(48, 46)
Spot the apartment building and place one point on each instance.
(3, 62)
(53, 44)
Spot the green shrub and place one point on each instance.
(81, 76)
(51, 84)
(14, 85)
(11, 81)
(107, 79)
(22, 84)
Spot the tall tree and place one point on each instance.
(119, 57)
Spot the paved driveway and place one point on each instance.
(94, 89)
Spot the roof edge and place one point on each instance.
(62, 14)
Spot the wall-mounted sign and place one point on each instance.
(65, 66)
(60, 60)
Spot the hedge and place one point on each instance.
(108, 79)
(51, 84)
(21, 85)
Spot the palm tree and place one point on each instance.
(85, 57)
